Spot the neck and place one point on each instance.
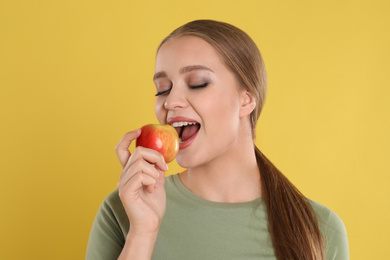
(232, 178)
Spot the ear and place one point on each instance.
(248, 104)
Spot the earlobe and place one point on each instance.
(248, 104)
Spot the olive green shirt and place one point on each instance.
(195, 228)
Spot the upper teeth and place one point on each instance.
(179, 124)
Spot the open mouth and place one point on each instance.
(186, 130)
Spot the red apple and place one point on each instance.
(162, 138)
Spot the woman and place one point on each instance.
(231, 202)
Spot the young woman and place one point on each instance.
(231, 202)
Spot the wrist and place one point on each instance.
(149, 238)
(139, 245)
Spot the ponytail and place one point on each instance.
(292, 222)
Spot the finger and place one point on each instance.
(122, 148)
(139, 166)
(149, 155)
(160, 180)
(137, 182)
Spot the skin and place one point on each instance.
(221, 163)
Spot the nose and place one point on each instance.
(175, 99)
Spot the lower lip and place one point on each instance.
(188, 142)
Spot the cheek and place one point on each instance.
(159, 110)
(221, 105)
(221, 113)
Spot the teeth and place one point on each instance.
(180, 124)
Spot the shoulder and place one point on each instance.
(327, 218)
(109, 229)
(112, 212)
(333, 231)
(112, 202)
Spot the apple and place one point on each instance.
(162, 138)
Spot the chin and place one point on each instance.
(187, 161)
(184, 163)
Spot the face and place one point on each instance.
(200, 97)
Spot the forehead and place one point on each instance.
(186, 51)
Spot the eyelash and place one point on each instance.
(199, 86)
(162, 92)
(191, 87)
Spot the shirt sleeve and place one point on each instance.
(109, 230)
(336, 239)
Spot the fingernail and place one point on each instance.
(166, 167)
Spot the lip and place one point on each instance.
(188, 142)
(172, 120)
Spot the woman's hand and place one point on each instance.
(141, 186)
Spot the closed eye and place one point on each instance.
(162, 92)
(198, 86)
(190, 86)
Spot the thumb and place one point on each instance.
(122, 148)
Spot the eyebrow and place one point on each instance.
(183, 70)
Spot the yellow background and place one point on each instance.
(76, 75)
